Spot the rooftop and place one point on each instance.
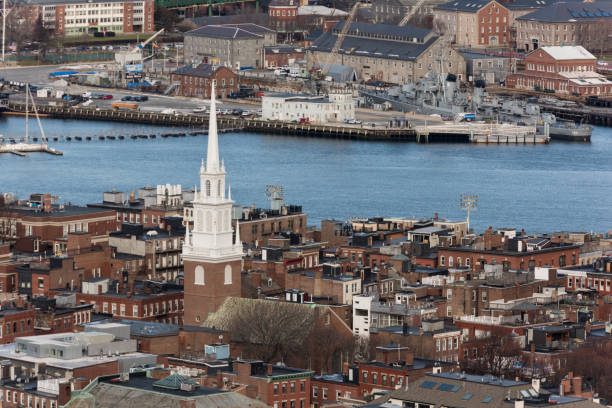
(378, 40)
(202, 70)
(231, 31)
(571, 12)
(568, 52)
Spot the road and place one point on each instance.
(39, 76)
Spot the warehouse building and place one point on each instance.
(232, 45)
(386, 52)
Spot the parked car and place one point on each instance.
(141, 98)
(106, 97)
(127, 98)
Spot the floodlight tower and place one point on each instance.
(468, 202)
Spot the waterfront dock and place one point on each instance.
(447, 132)
(484, 133)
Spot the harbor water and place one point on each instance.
(542, 188)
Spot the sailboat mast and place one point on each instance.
(26, 113)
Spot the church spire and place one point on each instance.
(212, 154)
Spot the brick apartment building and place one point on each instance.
(282, 55)
(49, 222)
(60, 314)
(258, 226)
(80, 17)
(283, 9)
(152, 253)
(277, 386)
(147, 301)
(482, 23)
(196, 79)
(329, 389)
(564, 69)
(395, 367)
(476, 259)
(473, 297)
(432, 340)
(16, 323)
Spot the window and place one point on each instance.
(374, 378)
(442, 260)
(292, 387)
(365, 376)
(315, 392)
(41, 283)
(135, 310)
(302, 386)
(484, 296)
(228, 275)
(207, 188)
(324, 393)
(450, 261)
(199, 275)
(284, 388)
(275, 389)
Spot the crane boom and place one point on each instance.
(413, 10)
(340, 39)
(144, 43)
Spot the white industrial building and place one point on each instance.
(335, 107)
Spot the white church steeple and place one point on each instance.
(211, 238)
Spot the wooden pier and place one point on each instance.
(479, 133)
(448, 132)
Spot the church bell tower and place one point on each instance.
(212, 259)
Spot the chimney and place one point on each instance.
(64, 393)
(345, 368)
(576, 385)
(270, 367)
(46, 203)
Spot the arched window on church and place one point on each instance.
(207, 188)
(199, 275)
(228, 275)
(219, 188)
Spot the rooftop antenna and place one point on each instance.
(468, 202)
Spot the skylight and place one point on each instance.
(488, 399)
(445, 387)
(428, 384)
(456, 388)
(467, 397)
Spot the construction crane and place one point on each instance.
(334, 51)
(151, 38)
(411, 13)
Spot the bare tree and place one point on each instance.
(497, 355)
(327, 347)
(592, 361)
(273, 330)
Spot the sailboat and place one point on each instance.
(24, 147)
